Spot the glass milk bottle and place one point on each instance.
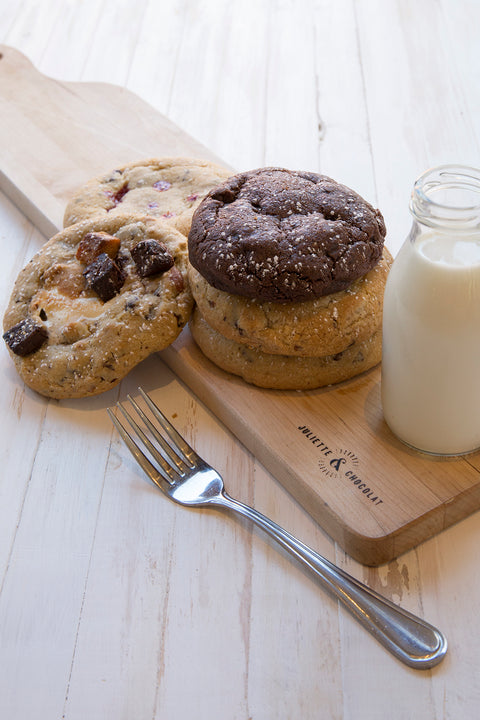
(431, 318)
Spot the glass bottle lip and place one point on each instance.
(448, 197)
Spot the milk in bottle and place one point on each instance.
(431, 318)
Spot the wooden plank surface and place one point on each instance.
(97, 615)
(55, 135)
(330, 448)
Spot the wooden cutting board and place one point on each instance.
(330, 448)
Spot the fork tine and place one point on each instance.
(179, 443)
(155, 474)
(171, 455)
(165, 466)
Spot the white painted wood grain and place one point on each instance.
(418, 110)
(114, 603)
(18, 409)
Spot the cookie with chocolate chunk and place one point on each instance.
(282, 372)
(320, 326)
(283, 236)
(166, 188)
(98, 298)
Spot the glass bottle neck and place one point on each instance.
(447, 198)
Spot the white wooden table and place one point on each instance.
(114, 603)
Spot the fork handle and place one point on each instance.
(412, 640)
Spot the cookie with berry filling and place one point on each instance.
(167, 188)
(97, 299)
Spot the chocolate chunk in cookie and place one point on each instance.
(281, 236)
(151, 258)
(104, 277)
(96, 243)
(25, 337)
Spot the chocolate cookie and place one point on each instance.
(322, 326)
(283, 372)
(167, 188)
(97, 299)
(283, 236)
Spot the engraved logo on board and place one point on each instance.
(342, 465)
(336, 465)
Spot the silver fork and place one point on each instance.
(182, 475)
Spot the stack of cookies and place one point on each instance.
(284, 273)
(112, 287)
(287, 270)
